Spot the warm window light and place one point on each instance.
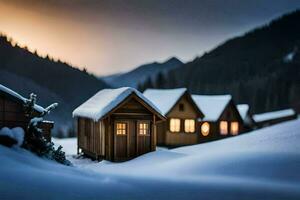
(143, 128)
(234, 128)
(189, 126)
(224, 128)
(205, 129)
(174, 125)
(121, 129)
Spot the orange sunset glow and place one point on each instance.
(108, 37)
(47, 35)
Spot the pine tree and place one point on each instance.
(160, 80)
(171, 81)
(148, 83)
(140, 87)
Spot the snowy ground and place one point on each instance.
(263, 164)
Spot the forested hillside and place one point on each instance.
(140, 74)
(261, 68)
(52, 81)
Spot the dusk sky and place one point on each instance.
(115, 36)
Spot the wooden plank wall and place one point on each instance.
(46, 126)
(99, 134)
(12, 114)
(153, 133)
(91, 137)
(144, 144)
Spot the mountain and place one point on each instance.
(141, 73)
(52, 81)
(261, 67)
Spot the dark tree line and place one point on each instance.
(53, 80)
(253, 68)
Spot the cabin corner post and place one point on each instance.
(153, 135)
(128, 141)
(111, 136)
(95, 139)
(77, 124)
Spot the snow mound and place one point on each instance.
(262, 164)
(15, 133)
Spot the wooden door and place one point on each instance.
(125, 140)
(121, 129)
(131, 138)
(143, 130)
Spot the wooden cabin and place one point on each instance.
(248, 122)
(12, 113)
(221, 117)
(275, 117)
(182, 113)
(117, 125)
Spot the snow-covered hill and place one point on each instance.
(263, 164)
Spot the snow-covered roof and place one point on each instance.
(106, 100)
(19, 97)
(273, 115)
(164, 99)
(243, 110)
(212, 106)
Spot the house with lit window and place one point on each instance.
(221, 117)
(248, 122)
(117, 125)
(181, 112)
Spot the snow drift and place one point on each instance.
(16, 134)
(263, 164)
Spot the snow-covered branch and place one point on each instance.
(49, 108)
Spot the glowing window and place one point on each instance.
(174, 125)
(234, 128)
(121, 128)
(143, 128)
(189, 126)
(223, 127)
(205, 129)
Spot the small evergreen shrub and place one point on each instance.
(34, 139)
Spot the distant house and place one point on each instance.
(117, 124)
(221, 117)
(12, 113)
(270, 118)
(248, 121)
(182, 114)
